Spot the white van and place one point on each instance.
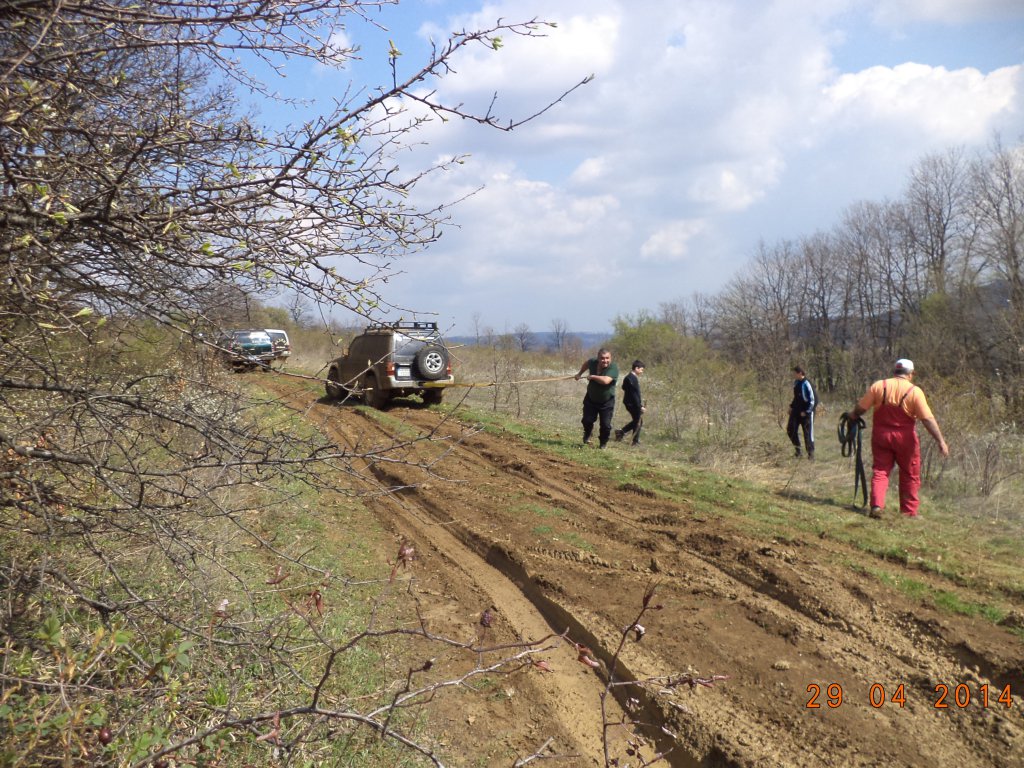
(282, 346)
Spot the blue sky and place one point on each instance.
(710, 125)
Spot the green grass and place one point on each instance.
(261, 657)
(541, 511)
(943, 599)
(577, 541)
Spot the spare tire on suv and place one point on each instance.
(392, 360)
(432, 362)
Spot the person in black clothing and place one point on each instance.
(634, 403)
(801, 413)
(599, 402)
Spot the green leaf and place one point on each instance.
(51, 631)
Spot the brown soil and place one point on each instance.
(552, 545)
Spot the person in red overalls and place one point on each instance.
(899, 404)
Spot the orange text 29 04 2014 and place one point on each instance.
(944, 696)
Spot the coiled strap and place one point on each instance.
(850, 444)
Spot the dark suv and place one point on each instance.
(391, 360)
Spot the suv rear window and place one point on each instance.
(407, 345)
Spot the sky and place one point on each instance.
(709, 126)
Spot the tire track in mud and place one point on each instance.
(571, 696)
(780, 615)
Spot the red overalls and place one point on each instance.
(894, 441)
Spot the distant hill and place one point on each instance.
(546, 339)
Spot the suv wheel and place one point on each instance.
(432, 362)
(333, 386)
(373, 395)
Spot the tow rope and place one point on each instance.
(430, 384)
(850, 444)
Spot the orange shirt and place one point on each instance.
(914, 405)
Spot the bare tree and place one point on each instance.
(478, 330)
(693, 316)
(998, 187)
(298, 308)
(559, 333)
(140, 204)
(827, 300)
(758, 313)
(523, 336)
(937, 210)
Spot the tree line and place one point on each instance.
(936, 275)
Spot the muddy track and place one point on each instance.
(553, 545)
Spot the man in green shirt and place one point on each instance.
(599, 402)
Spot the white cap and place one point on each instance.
(907, 366)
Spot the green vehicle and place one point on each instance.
(246, 350)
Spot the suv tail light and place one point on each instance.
(389, 368)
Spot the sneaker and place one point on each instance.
(602, 446)
(810, 457)
(796, 453)
(875, 513)
(618, 435)
(586, 441)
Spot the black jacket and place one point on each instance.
(631, 392)
(805, 399)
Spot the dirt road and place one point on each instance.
(551, 545)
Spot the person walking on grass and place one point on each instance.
(801, 413)
(634, 403)
(599, 402)
(899, 404)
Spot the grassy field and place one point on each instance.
(745, 470)
(287, 551)
(733, 458)
(244, 611)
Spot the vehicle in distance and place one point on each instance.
(392, 360)
(282, 345)
(245, 350)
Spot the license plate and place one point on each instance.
(403, 372)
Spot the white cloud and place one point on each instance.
(671, 242)
(711, 124)
(590, 170)
(585, 42)
(947, 107)
(735, 186)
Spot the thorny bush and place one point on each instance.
(139, 208)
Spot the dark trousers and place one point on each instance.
(635, 425)
(591, 412)
(798, 424)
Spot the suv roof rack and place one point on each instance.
(417, 325)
